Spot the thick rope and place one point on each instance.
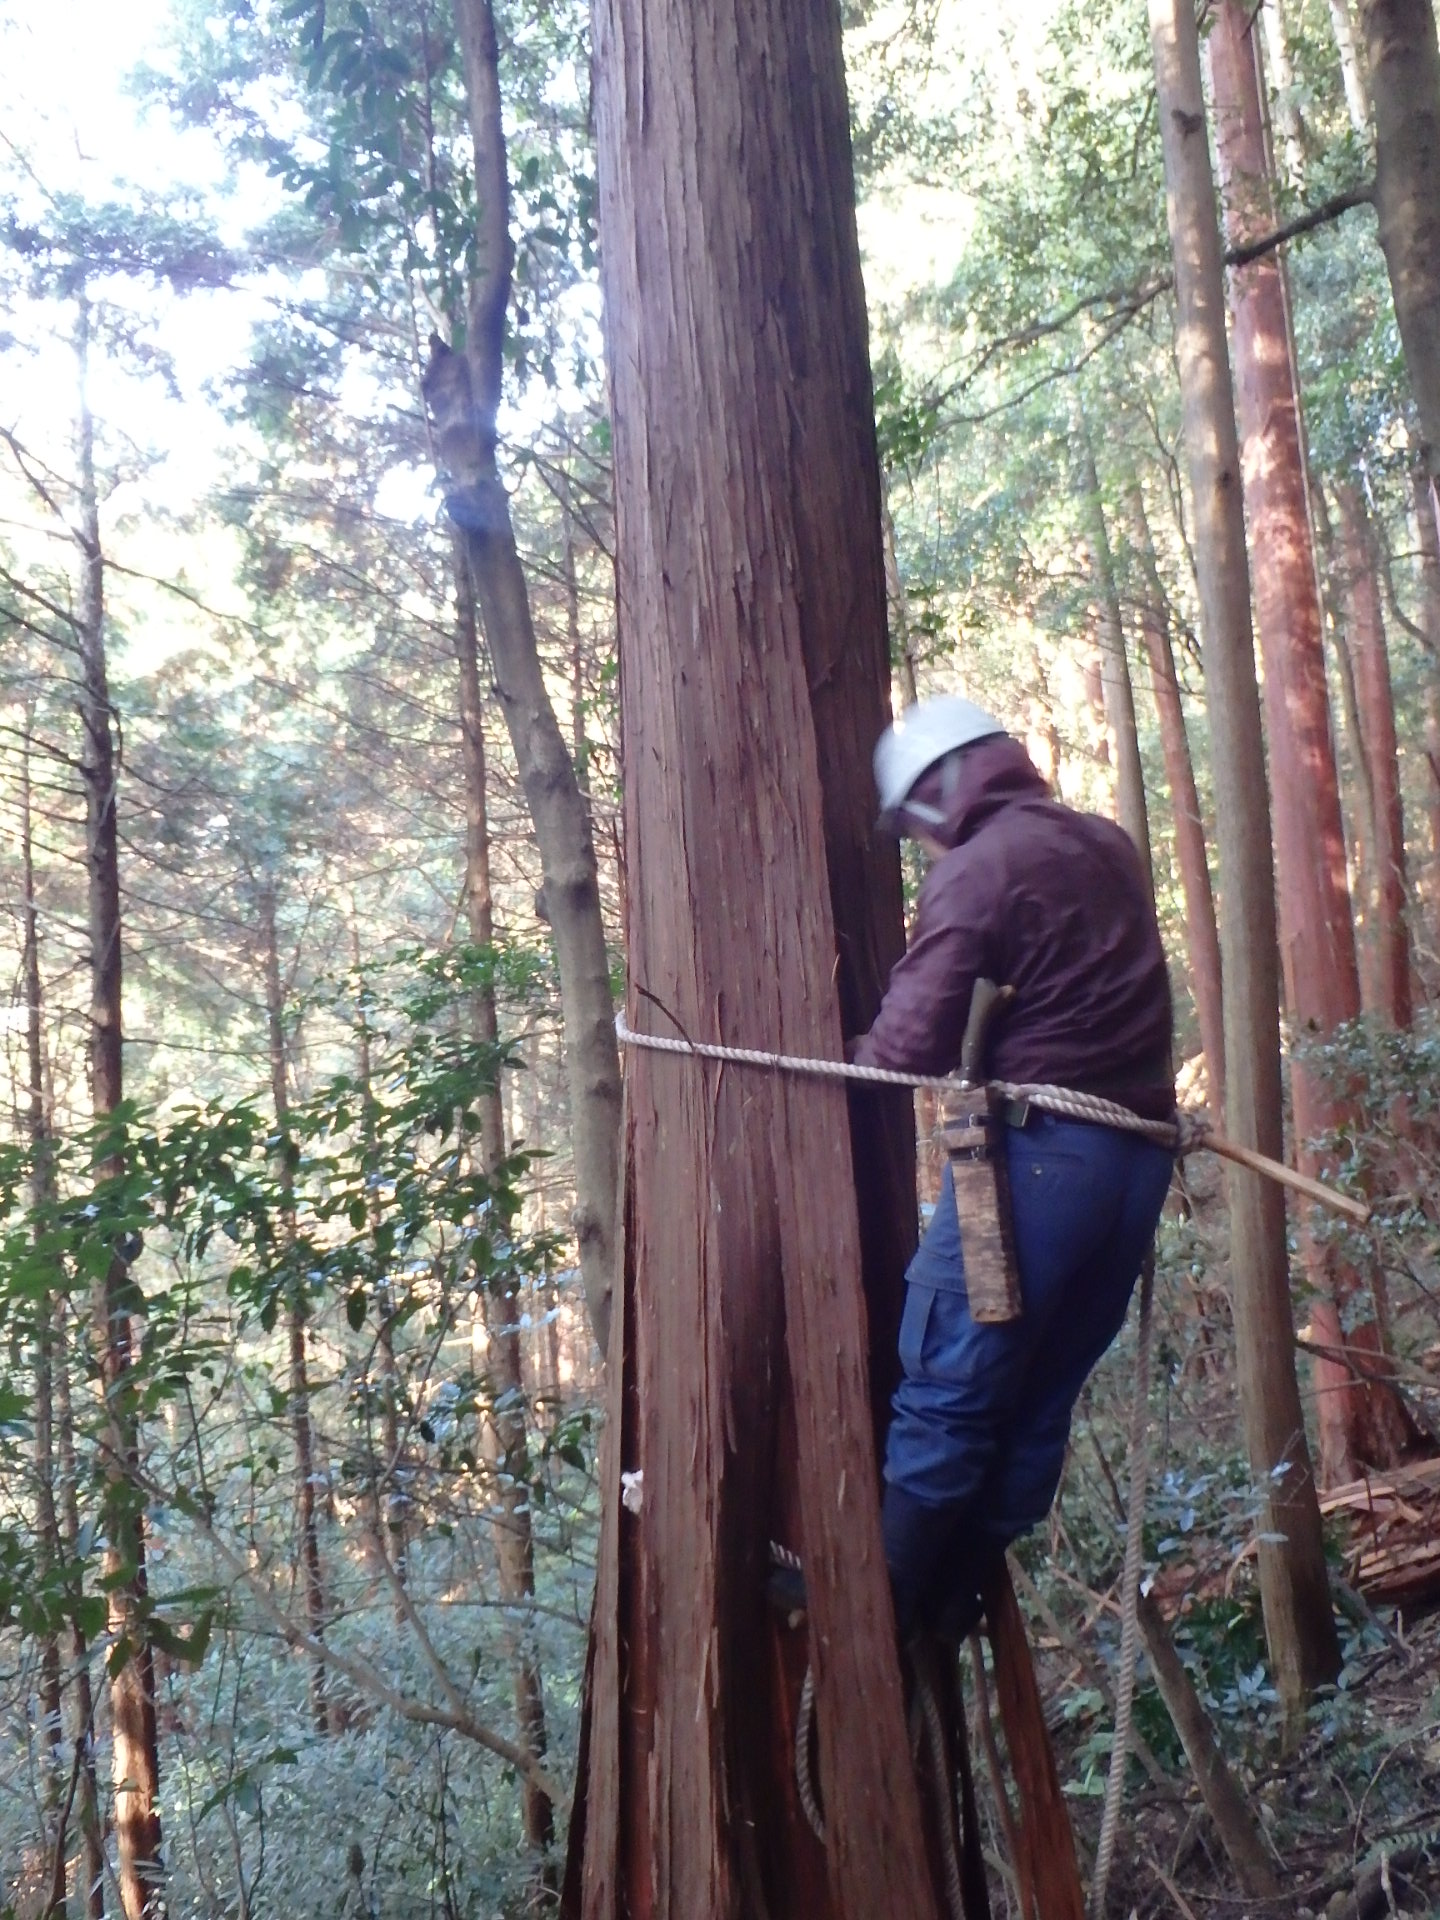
(1129, 1599)
(804, 1784)
(1183, 1135)
(947, 1811)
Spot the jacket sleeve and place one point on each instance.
(921, 1021)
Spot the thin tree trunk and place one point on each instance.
(1361, 1417)
(135, 1752)
(1227, 1806)
(1352, 69)
(1428, 543)
(1287, 112)
(1294, 1589)
(464, 399)
(301, 1431)
(82, 1718)
(1119, 693)
(42, 1191)
(755, 685)
(1403, 59)
(1362, 786)
(1202, 938)
(1391, 996)
(514, 1539)
(897, 602)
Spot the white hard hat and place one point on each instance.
(925, 734)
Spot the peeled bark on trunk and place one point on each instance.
(463, 394)
(1404, 65)
(1119, 693)
(1202, 937)
(754, 683)
(1361, 1417)
(302, 1436)
(1294, 1589)
(135, 1753)
(514, 1538)
(1389, 992)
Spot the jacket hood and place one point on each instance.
(992, 773)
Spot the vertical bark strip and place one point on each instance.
(1294, 1588)
(1390, 990)
(1403, 58)
(464, 397)
(1202, 937)
(751, 586)
(514, 1538)
(135, 1753)
(307, 1531)
(1362, 1420)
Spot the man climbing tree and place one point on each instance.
(1056, 905)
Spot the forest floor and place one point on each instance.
(1352, 1813)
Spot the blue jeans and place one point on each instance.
(982, 1414)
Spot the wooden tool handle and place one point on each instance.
(1288, 1177)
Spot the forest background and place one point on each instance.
(303, 1254)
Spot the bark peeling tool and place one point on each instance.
(973, 1130)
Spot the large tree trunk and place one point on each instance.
(1294, 1589)
(464, 398)
(307, 1530)
(135, 1754)
(1388, 989)
(1404, 63)
(1130, 809)
(1202, 937)
(754, 682)
(1362, 1420)
(514, 1538)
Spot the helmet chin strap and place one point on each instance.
(920, 811)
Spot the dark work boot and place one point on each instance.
(918, 1538)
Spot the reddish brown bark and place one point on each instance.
(754, 676)
(135, 1755)
(1428, 540)
(1387, 990)
(1202, 938)
(1402, 55)
(1362, 1421)
(1294, 1586)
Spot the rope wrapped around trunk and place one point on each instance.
(1184, 1134)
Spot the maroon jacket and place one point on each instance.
(1053, 903)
